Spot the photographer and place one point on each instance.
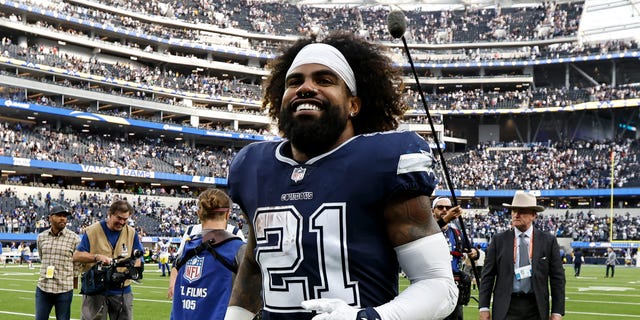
(446, 215)
(103, 242)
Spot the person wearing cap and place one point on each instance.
(343, 203)
(522, 269)
(58, 273)
(446, 214)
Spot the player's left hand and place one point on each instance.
(331, 309)
(452, 214)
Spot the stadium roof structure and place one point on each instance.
(602, 20)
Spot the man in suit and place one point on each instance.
(611, 262)
(578, 260)
(521, 265)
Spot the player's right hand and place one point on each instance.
(485, 315)
(331, 309)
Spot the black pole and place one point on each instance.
(454, 200)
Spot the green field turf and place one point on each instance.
(590, 297)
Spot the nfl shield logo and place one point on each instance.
(298, 174)
(193, 269)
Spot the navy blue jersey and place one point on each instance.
(203, 285)
(319, 225)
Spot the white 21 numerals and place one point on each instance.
(283, 289)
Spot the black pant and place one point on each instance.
(576, 268)
(613, 269)
(523, 307)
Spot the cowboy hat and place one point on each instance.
(524, 200)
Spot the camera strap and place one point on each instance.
(209, 246)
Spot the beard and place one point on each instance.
(310, 135)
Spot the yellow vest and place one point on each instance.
(99, 244)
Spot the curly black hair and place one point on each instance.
(379, 83)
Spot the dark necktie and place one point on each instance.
(525, 284)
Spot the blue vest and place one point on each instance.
(204, 284)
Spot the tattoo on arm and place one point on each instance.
(409, 219)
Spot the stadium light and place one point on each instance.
(627, 127)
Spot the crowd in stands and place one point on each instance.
(27, 214)
(548, 20)
(42, 142)
(478, 99)
(556, 165)
(549, 14)
(139, 75)
(475, 99)
(578, 225)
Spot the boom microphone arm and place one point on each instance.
(397, 25)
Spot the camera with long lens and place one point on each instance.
(101, 278)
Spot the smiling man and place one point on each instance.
(343, 203)
(104, 241)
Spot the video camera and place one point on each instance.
(101, 278)
(132, 272)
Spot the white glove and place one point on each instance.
(331, 309)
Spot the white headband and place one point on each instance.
(438, 199)
(326, 55)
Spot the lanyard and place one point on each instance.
(515, 246)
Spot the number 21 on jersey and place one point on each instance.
(280, 252)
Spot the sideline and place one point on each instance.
(603, 314)
(79, 295)
(30, 315)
